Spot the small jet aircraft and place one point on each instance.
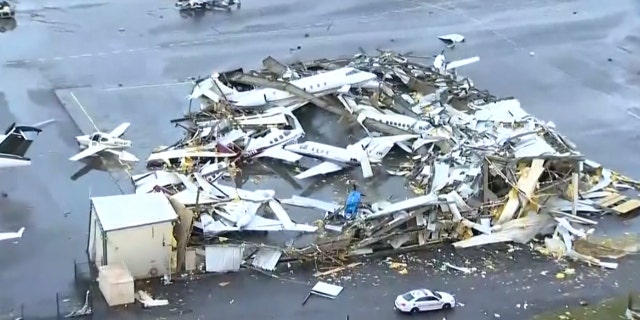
(398, 121)
(428, 132)
(320, 84)
(97, 142)
(15, 143)
(364, 152)
(271, 144)
(444, 67)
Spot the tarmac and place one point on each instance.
(501, 287)
(571, 62)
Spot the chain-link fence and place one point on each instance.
(59, 307)
(75, 304)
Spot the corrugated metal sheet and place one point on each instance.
(266, 258)
(223, 258)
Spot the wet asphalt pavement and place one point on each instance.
(572, 62)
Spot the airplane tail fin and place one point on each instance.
(17, 138)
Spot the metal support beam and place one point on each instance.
(575, 182)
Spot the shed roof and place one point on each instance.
(132, 210)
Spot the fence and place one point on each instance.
(60, 307)
(76, 304)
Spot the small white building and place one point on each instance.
(134, 229)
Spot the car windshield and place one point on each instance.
(407, 296)
(437, 295)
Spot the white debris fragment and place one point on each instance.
(147, 301)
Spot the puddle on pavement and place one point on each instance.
(8, 25)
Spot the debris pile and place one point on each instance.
(188, 8)
(485, 171)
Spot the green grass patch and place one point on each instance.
(610, 309)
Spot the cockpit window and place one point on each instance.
(95, 137)
(352, 72)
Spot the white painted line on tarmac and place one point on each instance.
(83, 110)
(157, 85)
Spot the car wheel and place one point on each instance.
(414, 310)
(446, 306)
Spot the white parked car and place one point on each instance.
(424, 300)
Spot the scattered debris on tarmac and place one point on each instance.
(484, 170)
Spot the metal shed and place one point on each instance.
(134, 229)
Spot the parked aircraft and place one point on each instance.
(428, 133)
(397, 121)
(364, 152)
(111, 142)
(320, 84)
(15, 143)
(271, 144)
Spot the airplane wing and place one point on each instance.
(119, 130)
(344, 89)
(280, 153)
(323, 168)
(264, 224)
(259, 223)
(459, 63)
(123, 155)
(11, 235)
(280, 213)
(88, 152)
(305, 202)
(367, 171)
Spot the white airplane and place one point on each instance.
(364, 152)
(398, 121)
(427, 132)
(242, 215)
(444, 67)
(15, 143)
(111, 142)
(271, 144)
(320, 84)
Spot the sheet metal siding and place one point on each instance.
(142, 249)
(223, 258)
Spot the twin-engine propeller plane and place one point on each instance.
(111, 142)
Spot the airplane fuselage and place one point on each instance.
(274, 138)
(399, 121)
(324, 152)
(111, 142)
(318, 85)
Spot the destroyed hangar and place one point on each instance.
(483, 171)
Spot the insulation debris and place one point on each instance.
(147, 301)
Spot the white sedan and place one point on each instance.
(424, 300)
